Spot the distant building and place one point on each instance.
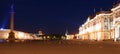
(102, 26)
(40, 32)
(4, 33)
(69, 37)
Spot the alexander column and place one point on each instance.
(12, 34)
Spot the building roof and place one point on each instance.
(116, 4)
(9, 30)
(101, 12)
(91, 16)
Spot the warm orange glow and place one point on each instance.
(18, 34)
(103, 26)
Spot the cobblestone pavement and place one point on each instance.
(61, 47)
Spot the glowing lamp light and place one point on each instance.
(1, 28)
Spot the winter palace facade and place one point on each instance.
(104, 25)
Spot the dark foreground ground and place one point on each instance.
(63, 47)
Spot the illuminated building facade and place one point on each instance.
(4, 33)
(102, 26)
(116, 22)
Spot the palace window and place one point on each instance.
(105, 24)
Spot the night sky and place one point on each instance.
(51, 16)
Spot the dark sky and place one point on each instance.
(51, 16)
